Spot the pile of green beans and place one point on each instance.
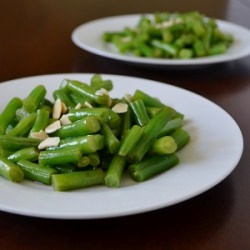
(171, 35)
(96, 139)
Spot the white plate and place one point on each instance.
(88, 37)
(211, 156)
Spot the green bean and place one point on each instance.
(152, 166)
(140, 113)
(115, 171)
(181, 137)
(9, 113)
(171, 126)
(60, 156)
(17, 142)
(42, 120)
(30, 154)
(130, 139)
(24, 126)
(97, 82)
(151, 132)
(77, 180)
(101, 113)
(168, 48)
(10, 170)
(65, 168)
(87, 144)
(111, 141)
(83, 162)
(94, 159)
(86, 90)
(163, 145)
(148, 100)
(64, 97)
(85, 126)
(34, 99)
(36, 172)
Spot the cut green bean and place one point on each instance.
(181, 137)
(83, 162)
(164, 145)
(24, 126)
(87, 144)
(60, 156)
(10, 170)
(89, 92)
(42, 120)
(140, 113)
(115, 171)
(151, 132)
(34, 99)
(17, 142)
(130, 140)
(152, 166)
(37, 172)
(101, 113)
(88, 125)
(30, 154)
(77, 180)
(64, 97)
(97, 83)
(148, 100)
(9, 113)
(171, 126)
(111, 141)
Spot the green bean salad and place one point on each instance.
(171, 35)
(84, 137)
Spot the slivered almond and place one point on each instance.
(39, 135)
(87, 105)
(59, 108)
(78, 106)
(53, 127)
(128, 97)
(120, 107)
(64, 108)
(49, 142)
(102, 91)
(65, 119)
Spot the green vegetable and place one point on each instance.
(10, 170)
(171, 35)
(150, 167)
(9, 113)
(37, 172)
(79, 179)
(97, 142)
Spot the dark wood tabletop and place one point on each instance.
(36, 39)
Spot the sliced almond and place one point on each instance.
(87, 105)
(64, 120)
(128, 97)
(102, 91)
(58, 108)
(53, 127)
(49, 142)
(39, 135)
(78, 106)
(64, 108)
(120, 107)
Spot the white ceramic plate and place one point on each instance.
(88, 37)
(212, 154)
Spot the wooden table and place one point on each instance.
(35, 39)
